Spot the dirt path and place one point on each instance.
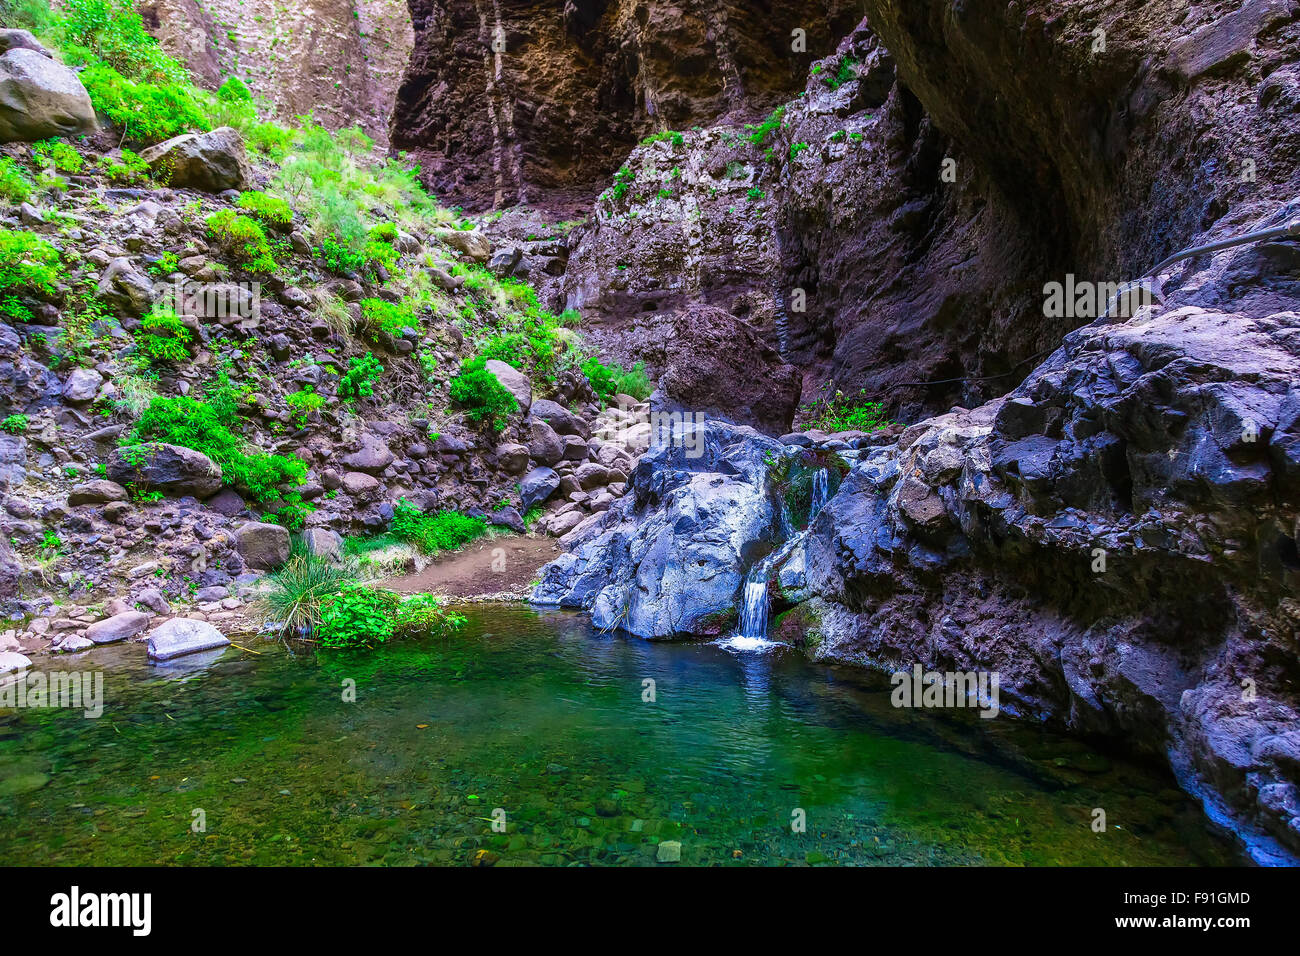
(488, 567)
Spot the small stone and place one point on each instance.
(670, 851)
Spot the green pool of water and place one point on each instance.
(538, 716)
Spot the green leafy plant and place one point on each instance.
(128, 169)
(293, 601)
(837, 412)
(244, 238)
(14, 424)
(357, 616)
(60, 155)
(15, 184)
(483, 398)
(202, 426)
(270, 211)
(28, 264)
(360, 378)
(162, 337)
(303, 402)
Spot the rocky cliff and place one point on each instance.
(1117, 536)
(549, 97)
(341, 61)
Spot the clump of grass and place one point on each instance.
(293, 602)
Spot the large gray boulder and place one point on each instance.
(212, 162)
(40, 98)
(537, 486)
(263, 546)
(171, 469)
(670, 558)
(118, 627)
(181, 636)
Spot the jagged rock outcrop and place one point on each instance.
(709, 363)
(668, 560)
(550, 99)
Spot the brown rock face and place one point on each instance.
(517, 100)
(711, 362)
(338, 59)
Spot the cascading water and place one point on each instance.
(821, 492)
(753, 598)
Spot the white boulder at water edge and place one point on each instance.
(670, 557)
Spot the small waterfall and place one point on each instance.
(752, 633)
(753, 607)
(821, 493)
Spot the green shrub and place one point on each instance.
(60, 155)
(304, 402)
(129, 170)
(357, 616)
(112, 31)
(758, 133)
(186, 421)
(389, 317)
(293, 601)
(483, 398)
(359, 380)
(422, 614)
(839, 412)
(145, 112)
(845, 71)
(269, 139)
(15, 184)
(292, 511)
(244, 238)
(608, 381)
(28, 265)
(14, 424)
(162, 337)
(271, 211)
(445, 531)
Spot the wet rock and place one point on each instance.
(20, 40)
(40, 98)
(119, 627)
(181, 636)
(670, 557)
(11, 661)
(262, 546)
(211, 162)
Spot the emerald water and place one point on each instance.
(538, 715)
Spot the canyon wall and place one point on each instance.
(549, 97)
(338, 59)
